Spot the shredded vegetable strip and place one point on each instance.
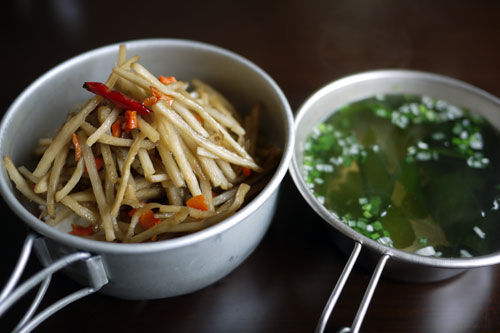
(171, 167)
(80, 210)
(227, 170)
(28, 174)
(172, 139)
(20, 182)
(113, 141)
(61, 214)
(209, 166)
(43, 184)
(161, 227)
(125, 174)
(104, 209)
(104, 128)
(135, 219)
(109, 163)
(54, 180)
(149, 130)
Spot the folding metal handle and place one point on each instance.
(96, 279)
(363, 307)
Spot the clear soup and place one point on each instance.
(410, 172)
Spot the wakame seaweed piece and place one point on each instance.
(382, 137)
(413, 207)
(376, 178)
(452, 201)
(342, 189)
(398, 227)
(408, 175)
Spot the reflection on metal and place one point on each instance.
(356, 325)
(97, 278)
(363, 307)
(21, 264)
(338, 288)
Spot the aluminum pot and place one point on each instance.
(166, 268)
(391, 262)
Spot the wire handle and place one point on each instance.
(95, 273)
(363, 307)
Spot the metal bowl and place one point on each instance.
(171, 267)
(393, 263)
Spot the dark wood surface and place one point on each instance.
(284, 284)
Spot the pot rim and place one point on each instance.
(331, 219)
(7, 191)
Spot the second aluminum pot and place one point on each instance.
(384, 260)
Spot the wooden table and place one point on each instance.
(303, 45)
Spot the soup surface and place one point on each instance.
(410, 172)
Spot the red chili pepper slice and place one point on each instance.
(247, 172)
(78, 148)
(116, 129)
(198, 202)
(197, 116)
(130, 120)
(148, 219)
(167, 79)
(159, 95)
(99, 161)
(117, 97)
(82, 231)
(150, 101)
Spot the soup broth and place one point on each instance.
(410, 172)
